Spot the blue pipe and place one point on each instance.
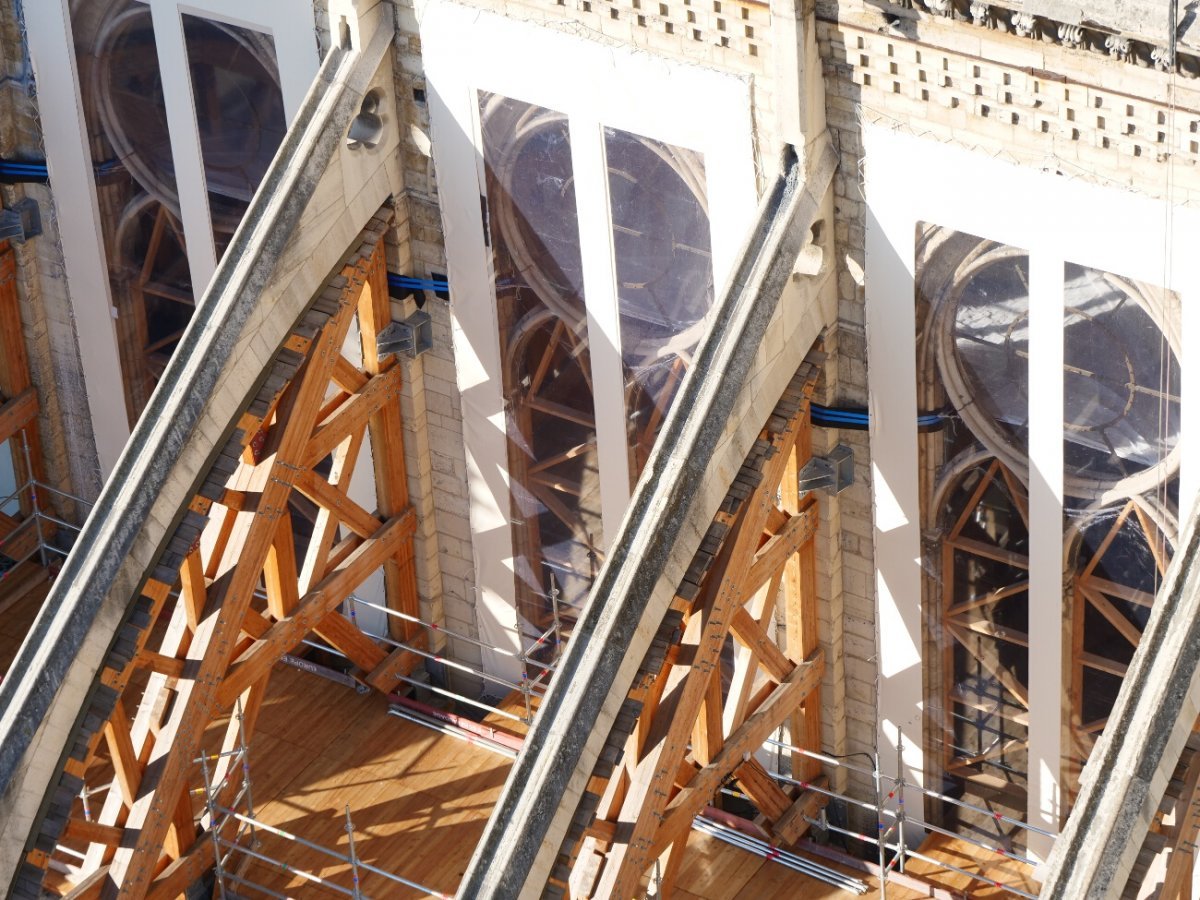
(13, 171)
(858, 418)
(400, 286)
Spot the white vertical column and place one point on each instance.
(1048, 681)
(52, 51)
(190, 183)
(603, 318)
(452, 111)
(1184, 276)
(296, 55)
(891, 323)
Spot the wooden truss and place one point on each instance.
(539, 351)
(724, 684)
(152, 289)
(270, 548)
(975, 619)
(1094, 592)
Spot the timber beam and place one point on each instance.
(240, 409)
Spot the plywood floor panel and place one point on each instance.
(419, 800)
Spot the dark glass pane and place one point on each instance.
(1121, 377)
(123, 102)
(991, 341)
(239, 113)
(1121, 464)
(973, 364)
(663, 255)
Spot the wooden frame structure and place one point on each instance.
(537, 349)
(974, 621)
(146, 290)
(19, 409)
(1090, 590)
(697, 714)
(239, 586)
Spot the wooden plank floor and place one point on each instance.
(419, 801)
(713, 870)
(994, 868)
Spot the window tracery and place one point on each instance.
(662, 271)
(1120, 474)
(235, 87)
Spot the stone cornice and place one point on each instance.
(1032, 22)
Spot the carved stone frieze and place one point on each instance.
(1163, 58)
(1025, 25)
(1118, 47)
(1070, 35)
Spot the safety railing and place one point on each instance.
(889, 842)
(34, 535)
(237, 854)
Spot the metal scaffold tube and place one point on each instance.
(765, 850)
(219, 815)
(452, 731)
(890, 823)
(839, 763)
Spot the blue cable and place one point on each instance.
(408, 282)
(859, 418)
(16, 170)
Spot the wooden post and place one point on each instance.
(14, 376)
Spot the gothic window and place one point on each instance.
(1121, 462)
(663, 256)
(972, 358)
(1120, 466)
(126, 77)
(663, 272)
(584, 235)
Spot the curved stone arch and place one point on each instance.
(950, 261)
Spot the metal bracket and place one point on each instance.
(21, 221)
(832, 474)
(412, 336)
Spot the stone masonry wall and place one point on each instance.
(1072, 112)
(435, 449)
